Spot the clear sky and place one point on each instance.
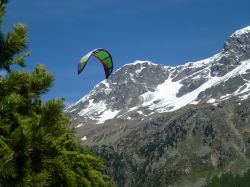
(170, 32)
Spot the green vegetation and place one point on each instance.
(230, 180)
(36, 146)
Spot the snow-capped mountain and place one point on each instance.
(156, 125)
(144, 88)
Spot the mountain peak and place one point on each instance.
(237, 47)
(142, 62)
(240, 32)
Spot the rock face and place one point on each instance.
(172, 126)
(181, 148)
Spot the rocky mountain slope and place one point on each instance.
(181, 148)
(172, 126)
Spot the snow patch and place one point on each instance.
(84, 138)
(140, 112)
(108, 114)
(138, 71)
(73, 110)
(244, 96)
(80, 125)
(225, 97)
(166, 92)
(212, 100)
(93, 108)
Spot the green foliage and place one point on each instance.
(11, 45)
(36, 146)
(2, 10)
(230, 180)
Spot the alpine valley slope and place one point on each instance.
(172, 126)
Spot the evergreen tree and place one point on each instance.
(36, 146)
(230, 180)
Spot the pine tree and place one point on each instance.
(230, 180)
(36, 146)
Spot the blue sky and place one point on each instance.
(170, 32)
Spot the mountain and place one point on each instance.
(145, 87)
(172, 126)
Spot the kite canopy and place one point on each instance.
(103, 56)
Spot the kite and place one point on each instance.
(103, 56)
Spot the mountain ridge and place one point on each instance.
(157, 87)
